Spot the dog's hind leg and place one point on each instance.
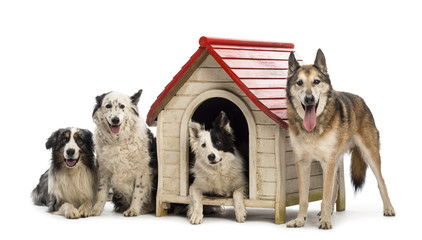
(239, 205)
(303, 169)
(371, 155)
(195, 211)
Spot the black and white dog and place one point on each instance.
(218, 169)
(69, 187)
(126, 153)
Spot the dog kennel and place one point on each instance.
(248, 80)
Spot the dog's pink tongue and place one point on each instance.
(115, 129)
(309, 122)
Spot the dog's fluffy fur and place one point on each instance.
(218, 168)
(69, 187)
(323, 125)
(126, 153)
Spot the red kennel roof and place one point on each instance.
(258, 68)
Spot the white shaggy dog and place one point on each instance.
(218, 169)
(126, 155)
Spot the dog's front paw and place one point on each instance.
(131, 213)
(84, 210)
(196, 217)
(72, 213)
(241, 215)
(95, 212)
(325, 224)
(296, 223)
(389, 212)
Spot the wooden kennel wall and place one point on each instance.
(252, 75)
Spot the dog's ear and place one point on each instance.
(52, 140)
(222, 122)
(194, 129)
(320, 62)
(99, 102)
(293, 64)
(87, 138)
(135, 98)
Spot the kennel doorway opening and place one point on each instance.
(208, 111)
(213, 102)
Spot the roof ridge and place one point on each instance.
(206, 41)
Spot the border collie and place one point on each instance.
(218, 168)
(126, 154)
(69, 187)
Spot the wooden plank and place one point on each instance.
(292, 185)
(252, 54)
(276, 103)
(196, 88)
(262, 118)
(170, 170)
(179, 102)
(210, 75)
(264, 83)
(282, 113)
(170, 157)
(160, 206)
(280, 195)
(266, 174)
(265, 131)
(253, 63)
(170, 186)
(267, 188)
(219, 201)
(266, 160)
(250, 104)
(315, 170)
(260, 73)
(215, 46)
(269, 93)
(290, 158)
(172, 115)
(209, 62)
(171, 143)
(314, 195)
(171, 129)
(265, 146)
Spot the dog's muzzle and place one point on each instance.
(212, 159)
(70, 159)
(115, 125)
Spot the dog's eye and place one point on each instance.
(218, 143)
(122, 106)
(316, 82)
(203, 145)
(108, 105)
(299, 83)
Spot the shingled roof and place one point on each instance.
(258, 68)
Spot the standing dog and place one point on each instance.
(218, 168)
(69, 187)
(324, 124)
(126, 153)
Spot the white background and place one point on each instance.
(56, 56)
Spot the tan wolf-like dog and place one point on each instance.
(325, 124)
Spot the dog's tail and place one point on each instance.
(40, 193)
(357, 169)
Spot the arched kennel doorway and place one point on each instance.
(204, 109)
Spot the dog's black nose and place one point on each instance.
(70, 152)
(115, 120)
(309, 100)
(211, 157)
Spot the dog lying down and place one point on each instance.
(218, 169)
